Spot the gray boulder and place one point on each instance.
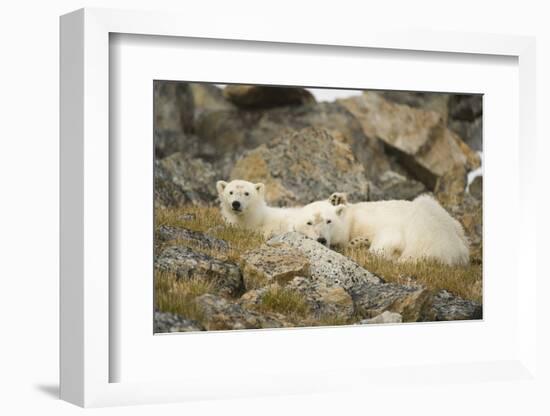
(303, 166)
(392, 185)
(448, 307)
(228, 133)
(325, 265)
(180, 179)
(267, 264)
(418, 138)
(186, 263)
(413, 303)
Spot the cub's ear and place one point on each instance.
(220, 186)
(340, 209)
(260, 188)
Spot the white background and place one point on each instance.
(136, 61)
(29, 224)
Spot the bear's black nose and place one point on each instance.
(236, 204)
(322, 240)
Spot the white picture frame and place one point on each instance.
(85, 353)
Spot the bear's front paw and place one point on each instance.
(338, 198)
(360, 242)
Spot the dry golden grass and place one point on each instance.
(176, 295)
(465, 282)
(172, 295)
(209, 220)
(284, 301)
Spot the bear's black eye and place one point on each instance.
(230, 192)
(329, 221)
(309, 223)
(246, 193)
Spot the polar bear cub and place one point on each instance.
(323, 222)
(243, 204)
(402, 230)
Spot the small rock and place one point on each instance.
(448, 307)
(170, 322)
(385, 317)
(269, 264)
(222, 314)
(324, 300)
(411, 302)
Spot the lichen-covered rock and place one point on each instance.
(180, 179)
(326, 265)
(221, 313)
(385, 317)
(228, 133)
(419, 138)
(432, 101)
(452, 308)
(188, 264)
(411, 302)
(325, 301)
(167, 233)
(268, 264)
(370, 295)
(178, 104)
(304, 166)
(170, 322)
(261, 96)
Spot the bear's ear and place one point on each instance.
(340, 209)
(220, 186)
(260, 188)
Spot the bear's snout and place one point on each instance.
(322, 240)
(236, 205)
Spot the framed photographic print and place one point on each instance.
(273, 213)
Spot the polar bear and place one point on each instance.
(323, 222)
(243, 204)
(401, 230)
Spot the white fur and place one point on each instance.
(323, 222)
(253, 213)
(403, 230)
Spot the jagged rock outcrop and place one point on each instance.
(420, 139)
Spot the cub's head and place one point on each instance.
(238, 196)
(320, 222)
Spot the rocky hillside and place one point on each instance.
(379, 145)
